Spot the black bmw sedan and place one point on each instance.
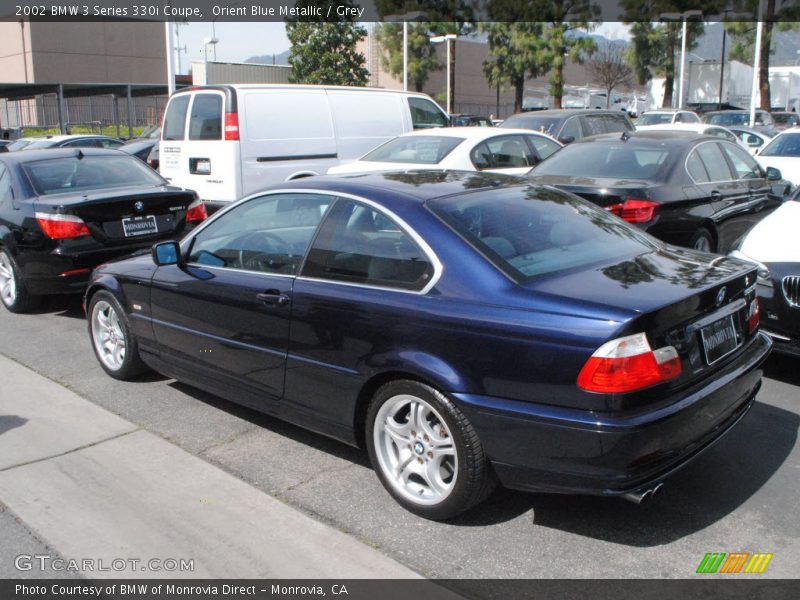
(65, 211)
(686, 189)
(464, 327)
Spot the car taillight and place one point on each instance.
(60, 227)
(753, 315)
(635, 211)
(196, 212)
(231, 126)
(627, 364)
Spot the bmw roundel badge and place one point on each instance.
(721, 295)
(139, 206)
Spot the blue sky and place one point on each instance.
(239, 41)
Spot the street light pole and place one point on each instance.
(405, 55)
(170, 64)
(683, 17)
(722, 60)
(446, 39)
(756, 62)
(683, 64)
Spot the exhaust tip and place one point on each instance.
(642, 496)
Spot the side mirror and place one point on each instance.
(773, 174)
(166, 253)
(567, 139)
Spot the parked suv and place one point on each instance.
(568, 125)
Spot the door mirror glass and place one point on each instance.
(773, 174)
(166, 253)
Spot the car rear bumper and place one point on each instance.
(542, 448)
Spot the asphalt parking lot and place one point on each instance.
(741, 495)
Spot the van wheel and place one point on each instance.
(425, 451)
(13, 292)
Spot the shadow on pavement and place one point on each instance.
(8, 422)
(68, 305)
(783, 368)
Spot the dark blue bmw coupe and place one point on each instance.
(466, 328)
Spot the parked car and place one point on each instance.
(568, 125)
(773, 245)
(752, 139)
(152, 158)
(783, 153)
(470, 121)
(71, 141)
(510, 151)
(462, 326)
(65, 211)
(683, 188)
(229, 141)
(19, 144)
(699, 128)
(726, 118)
(140, 147)
(785, 119)
(666, 116)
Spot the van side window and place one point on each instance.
(175, 119)
(358, 244)
(206, 119)
(425, 114)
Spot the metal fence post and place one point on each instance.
(130, 113)
(115, 112)
(61, 124)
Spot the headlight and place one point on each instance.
(764, 277)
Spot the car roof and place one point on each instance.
(666, 110)
(414, 186)
(696, 127)
(567, 112)
(12, 158)
(472, 133)
(669, 136)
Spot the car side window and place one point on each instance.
(744, 166)
(690, 117)
(82, 143)
(572, 128)
(503, 152)
(110, 144)
(6, 194)
(696, 169)
(615, 123)
(544, 146)
(714, 162)
(269, 234)
(359, 244)
(425, 114)
(593, 125)
(481, 157)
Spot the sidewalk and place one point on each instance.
(95, 486)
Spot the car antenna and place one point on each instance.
(79, 154)
(625, 136)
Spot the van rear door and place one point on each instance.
(200, 145)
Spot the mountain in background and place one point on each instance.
(271, 59)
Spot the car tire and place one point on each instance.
(702, 241)
(425, 451)
(13, 291)
(113, 342)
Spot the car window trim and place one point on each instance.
(727, 161)
(438, 268)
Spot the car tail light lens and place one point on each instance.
(231, 126)
(196, 212)
(627, 364)
(635, 211)
(60, 227)
(753, 315)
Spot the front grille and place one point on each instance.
(791, 290)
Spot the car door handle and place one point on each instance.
(716, 195)
(274, 297)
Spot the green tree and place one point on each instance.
(324, 52)
(743, 36)
(514, 48)
(560, 45)
(654, 45)
(421, 53)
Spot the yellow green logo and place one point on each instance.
(734, 562)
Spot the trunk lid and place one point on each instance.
(123, 215)
(600, 191)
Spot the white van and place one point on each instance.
(228, 141)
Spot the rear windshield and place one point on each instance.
(418, 149)
(617, 160)
(529, 231)
(787, 144)
(786, 118)
(71, 174)
(19, 144)
(654, 119)
(729, 119)
(547, 125)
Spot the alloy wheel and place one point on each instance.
(8, 283)
(108, 335)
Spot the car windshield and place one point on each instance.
(729, 119)
(530, 231)
(613, 159)
(416, 149)
(654, 119)
(534, 122)
(787, 144)
(77, 173)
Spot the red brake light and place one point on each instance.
(60, 227)
(753, 315)
(628, 364)
(231, 126)
(635, 211)
(196, 212)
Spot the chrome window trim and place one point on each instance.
(438, 268)
(686, 163)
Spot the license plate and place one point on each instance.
(203, 167)
(719, 339)
(134, 226)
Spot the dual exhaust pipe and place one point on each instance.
(643, 495)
